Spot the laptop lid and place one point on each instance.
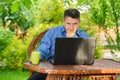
(69, 51)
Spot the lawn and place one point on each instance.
(8, 74)
(118, 77)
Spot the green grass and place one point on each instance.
(10, 74)
(118, 77)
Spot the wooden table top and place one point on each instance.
(103, 66)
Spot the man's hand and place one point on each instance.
(70, 32)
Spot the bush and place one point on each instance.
(16, 52)
(5, 39)
(98, 52)
(50, 12)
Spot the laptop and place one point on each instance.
(72, 51)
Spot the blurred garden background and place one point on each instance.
(22, 20)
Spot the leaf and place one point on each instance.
(27, 3)
(8, 1)
(15, 7)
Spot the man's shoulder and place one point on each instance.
(57, 28)
(54, 30)
(82, 33)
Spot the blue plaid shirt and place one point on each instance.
(47, 44)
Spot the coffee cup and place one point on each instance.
(35, 57)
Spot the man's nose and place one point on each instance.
(71, 26)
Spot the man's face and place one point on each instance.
(71, 26)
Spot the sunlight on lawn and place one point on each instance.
(7, 74)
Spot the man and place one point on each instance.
(69, 30)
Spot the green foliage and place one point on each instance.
(105, 13)
(5, 39)
(15, 53)
(115, 14)
(16, 12)
(99, 12)
(98, 52)
(51, 12)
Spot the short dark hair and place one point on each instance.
(74, 13)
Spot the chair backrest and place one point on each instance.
(35, 41)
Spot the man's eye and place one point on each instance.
(75, 23)
(68, 23)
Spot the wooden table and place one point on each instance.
(100, 70)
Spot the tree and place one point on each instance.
(50, 12)
(106, 13)
(15, 13)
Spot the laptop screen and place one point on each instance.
(70, 51)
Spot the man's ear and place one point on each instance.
(63, 21)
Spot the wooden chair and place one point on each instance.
(34, 43)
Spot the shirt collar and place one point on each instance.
(63, 29)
